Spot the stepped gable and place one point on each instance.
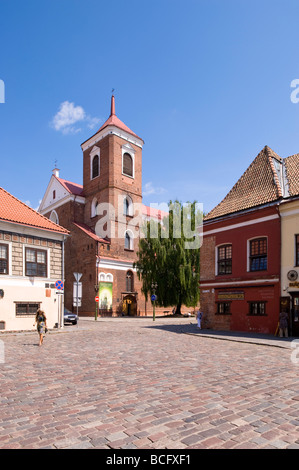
(258, 185)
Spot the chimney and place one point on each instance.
(55, 172)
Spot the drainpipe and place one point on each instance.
(63, 280)
(280, 253)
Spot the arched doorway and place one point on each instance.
(129, 305)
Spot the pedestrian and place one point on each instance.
(41, 322)
(283, 324)
(199, 316)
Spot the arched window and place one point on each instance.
(95, 166)
(128, 206)
(129, 282)
(94, 206)
(127, 164)
(128, 241)
(54, 217)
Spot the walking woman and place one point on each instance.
(41, 321)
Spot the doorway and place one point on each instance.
(129, 305)
(295, 315)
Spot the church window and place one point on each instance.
(127, 164)
(129, 281)
(54, 217)
(128, 241)
(128, 206)
(95, 166)
(94, 206)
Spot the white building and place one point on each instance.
(31, 263)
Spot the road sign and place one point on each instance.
(77, 276)
(153, 298)
(59, 285)
(97, 298)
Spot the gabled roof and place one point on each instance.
(113, 120)
(15, 211)
(261, 183)
(72, 188)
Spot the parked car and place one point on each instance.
(70, 317)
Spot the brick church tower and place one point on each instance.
(112, 183)
(104, 217)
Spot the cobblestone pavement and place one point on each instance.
(139, 384)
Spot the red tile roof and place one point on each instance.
(90, 232)
(15, 211)
(258, 185)
(73, 188)
(113, 120)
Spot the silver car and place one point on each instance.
(70, 317)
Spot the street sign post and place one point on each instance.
(60, 291)
(77, 277)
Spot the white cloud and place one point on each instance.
(150, 189)
(69, 115)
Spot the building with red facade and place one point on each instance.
(241, 251)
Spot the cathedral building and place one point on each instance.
(104, 217)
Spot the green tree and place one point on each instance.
(169, 255)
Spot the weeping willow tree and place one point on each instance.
(169, 256)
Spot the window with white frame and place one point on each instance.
(35, 262)
(127, 164)
(224, 259)
(94, 162)
(4, 259)
(94, 206)
(129, 240)
(54, 217)
(128, 206)
(258, 255)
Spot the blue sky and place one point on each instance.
(205, 83)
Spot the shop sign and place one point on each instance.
(231, 296)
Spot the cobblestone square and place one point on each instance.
(137, 384)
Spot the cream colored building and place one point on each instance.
(31, 262)
(289, 212)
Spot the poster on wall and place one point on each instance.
(105, 295)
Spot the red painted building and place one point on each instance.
(240, 255)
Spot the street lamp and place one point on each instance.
(153, 297)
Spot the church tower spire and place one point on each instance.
(112, 113)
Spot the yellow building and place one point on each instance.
(289, 212)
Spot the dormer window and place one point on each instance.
(127, 164)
